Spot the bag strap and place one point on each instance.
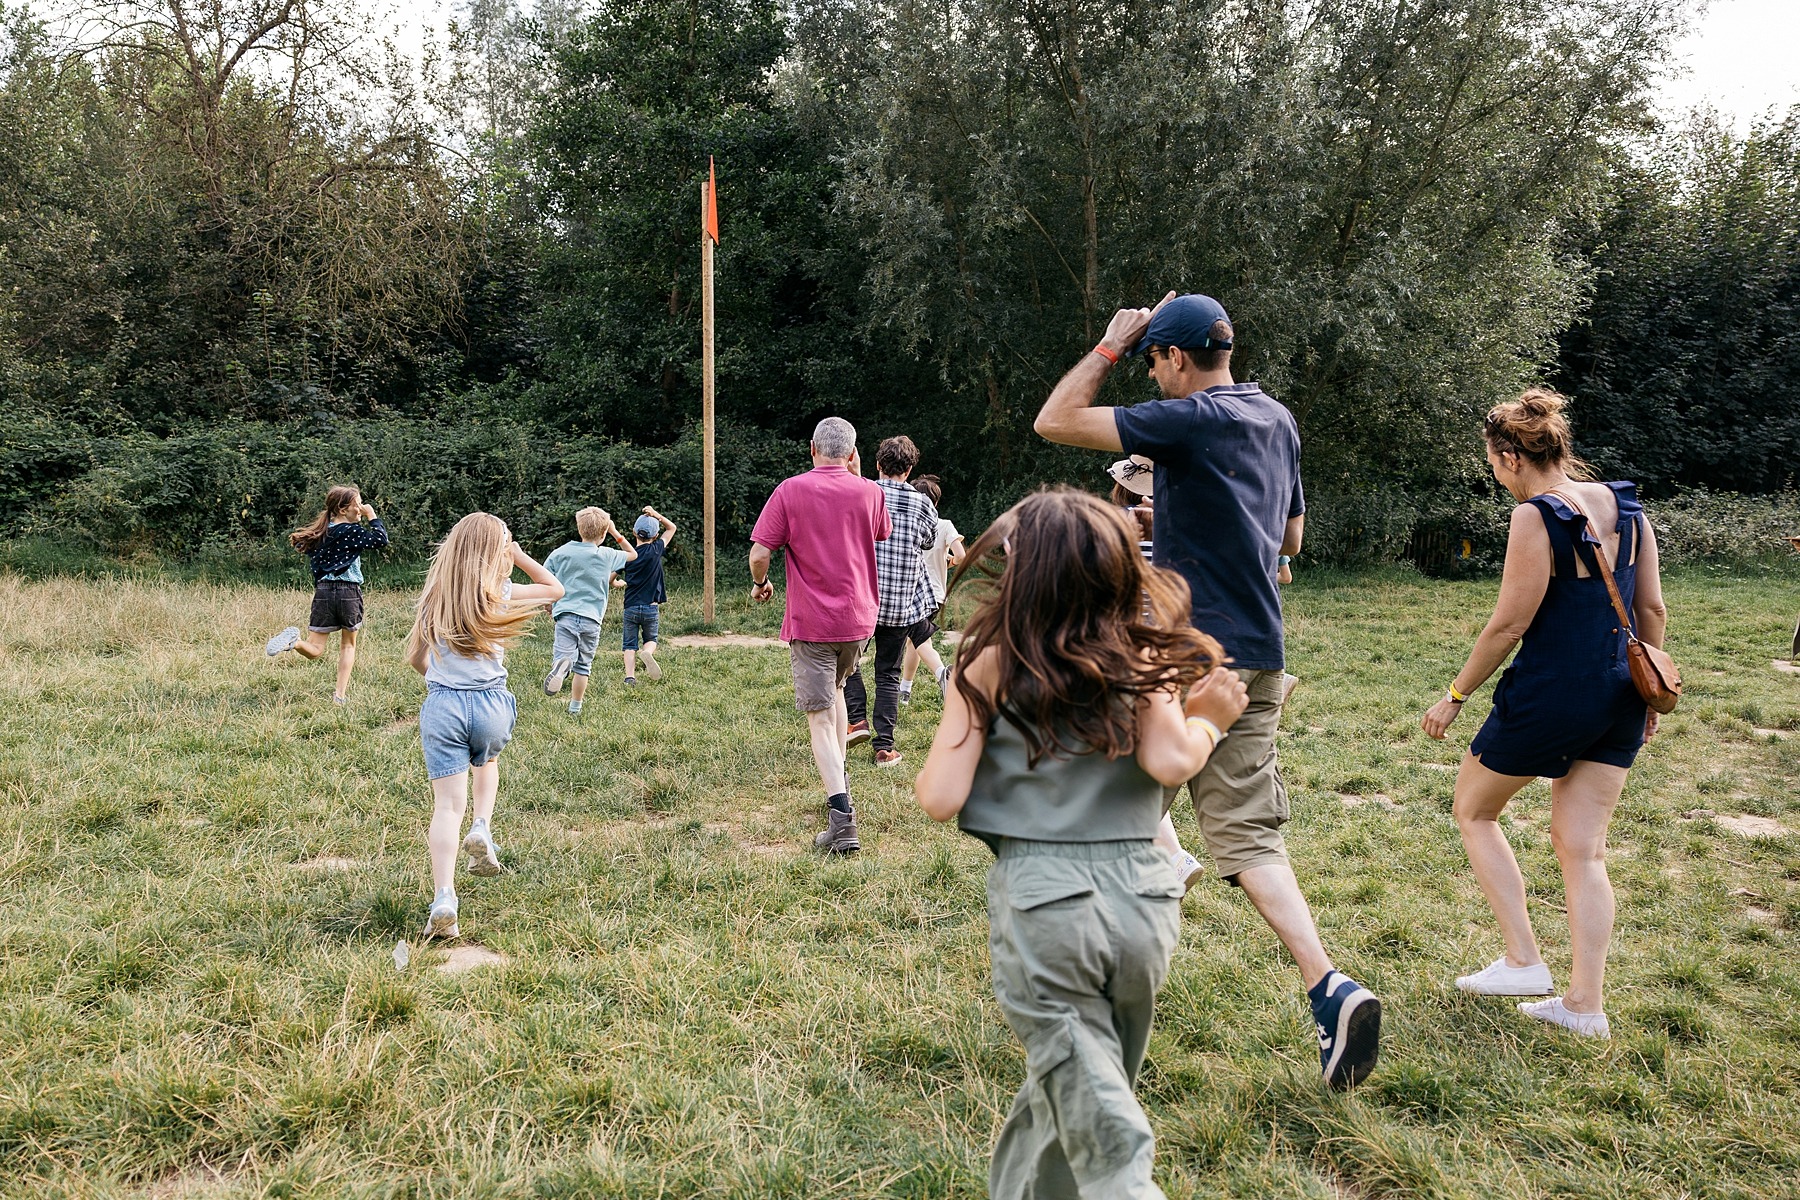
(1612, 588)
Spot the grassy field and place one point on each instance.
(205, 867)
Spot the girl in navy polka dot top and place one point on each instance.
(333, 543)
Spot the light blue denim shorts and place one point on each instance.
(461, 728)
(577, 637)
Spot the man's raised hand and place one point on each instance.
(1126, 329)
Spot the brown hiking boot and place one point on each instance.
(839, 834)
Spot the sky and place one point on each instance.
(1740, 58)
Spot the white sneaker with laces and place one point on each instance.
(1187, 868)
(1553, 1012)
(1498, 978)
(442, 921)
(484, 856)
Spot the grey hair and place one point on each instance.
(834, 437)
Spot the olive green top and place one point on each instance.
(1084, 798)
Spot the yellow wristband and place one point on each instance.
(1208, 728)
(1456, 695)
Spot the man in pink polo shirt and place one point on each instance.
(828, 520)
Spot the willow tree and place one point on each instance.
(1382, 192)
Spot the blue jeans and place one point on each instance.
(640, 621)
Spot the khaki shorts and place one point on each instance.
(820, 669)
(1238, 795)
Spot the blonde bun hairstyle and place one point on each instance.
(1534, 428)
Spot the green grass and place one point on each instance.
(192, 1004)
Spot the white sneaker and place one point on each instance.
(484, 856)
(1592, 1025)
(1187, 868)
(1499, 979)
(287, 639)
(442, 921)
(652, 668)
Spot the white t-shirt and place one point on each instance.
(937, 560)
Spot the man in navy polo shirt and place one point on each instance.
(1229, 508)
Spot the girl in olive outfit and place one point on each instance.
(333, 543)
(1065, 722)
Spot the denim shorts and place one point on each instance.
(461, 728)
(577, 637)
(337, 604)
(640, 619)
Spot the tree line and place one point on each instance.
(250, 249)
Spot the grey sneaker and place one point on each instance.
(652, 668)
(559, 671)
(484, 856)
(906, 693)
(839, 834)
(442, 921)
(287, 639)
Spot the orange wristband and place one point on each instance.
(1108, 355)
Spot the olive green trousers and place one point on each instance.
(1080, 937)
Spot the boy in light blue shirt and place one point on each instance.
(585, 569)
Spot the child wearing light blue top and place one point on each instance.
(585, 569)
(468, 612)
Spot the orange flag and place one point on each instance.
(712, 201)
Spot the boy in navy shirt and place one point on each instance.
(644, 591)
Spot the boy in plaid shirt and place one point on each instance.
(904, 617)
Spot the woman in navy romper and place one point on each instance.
(1565, 710)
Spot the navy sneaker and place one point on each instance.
(1349, 1019)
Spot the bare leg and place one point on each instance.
(313, 645)
(578, 685)
(1166, 841)
(909, 663)
(1581, 806)
(1481, 794)
(630, 664)
(1275, 892)
(346, 660)
(828, 730)
(486, 789)
(841, 715)
(927, 654)
(450, 797)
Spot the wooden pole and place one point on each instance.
(706, 404)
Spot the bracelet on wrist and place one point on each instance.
(1101, 349)
(1454, 696)
(1205, 726)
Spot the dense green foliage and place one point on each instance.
(240, 226)
(1687, 362)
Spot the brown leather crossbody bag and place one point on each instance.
(1653, 672)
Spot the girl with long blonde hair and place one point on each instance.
(467, 613)
(333, 543)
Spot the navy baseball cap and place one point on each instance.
(1186, 321)
(645, 526)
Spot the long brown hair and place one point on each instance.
(461, 605)
(1081, 626)
(340, 500)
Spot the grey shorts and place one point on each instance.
(1238, 795)
(577, 637)
(461, 728)
(820, 669)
